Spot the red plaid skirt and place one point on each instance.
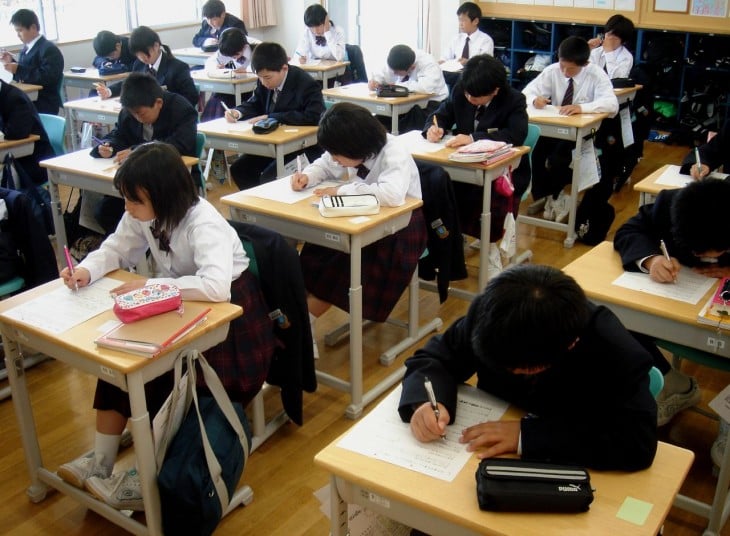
(242, 360)
(387, 267)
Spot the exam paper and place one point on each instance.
(689, 288)
(61, 309)
(452, 66)
(280, 190)
(381, 434)
(672, 177)
(415, 143)
(548, 111)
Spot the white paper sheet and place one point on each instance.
(63, 308)
(381, 434)
(452, 66)
(280, 190)
(588, 172)
(416, 143)
(689, 288)
(672, 177)
(627, 132)
(548, 111)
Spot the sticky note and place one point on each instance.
(634, 510)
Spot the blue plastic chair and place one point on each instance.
(656, 381)
(533, 133)
(55, 127)
(199, 144)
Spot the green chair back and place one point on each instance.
(55, 127)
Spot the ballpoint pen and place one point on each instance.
(665, 252)
(432, 401)
(435, 123)
(70, 264)
(697, 161)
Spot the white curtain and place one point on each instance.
(428, 10)
(258, 13)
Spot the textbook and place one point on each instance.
(716, 312)
(150, 336)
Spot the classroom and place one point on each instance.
(313, 451)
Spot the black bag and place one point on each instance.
(11, 265)
(195, 485)
(391, 90)
(622, 82)
(513, 485)
(265, 126)
(38, 194)
(594, 216)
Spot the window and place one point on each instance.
(165, 12)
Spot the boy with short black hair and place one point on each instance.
(469, 42)
(112, 53)
(713, 154)
(610, 52)
(215, 21)
(534, 340)
(420, 73)
(322, 40)
(40, 62)
(575, 86)
(283, 92)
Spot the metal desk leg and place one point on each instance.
(486, 231)
(24, 416)
(338, 510)
(279, 161)
(354, 410)
(57, 213)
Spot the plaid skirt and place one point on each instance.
(469, 201)
(242, 360)
(387, 268)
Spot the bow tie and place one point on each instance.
(320, 40)
(161, 236)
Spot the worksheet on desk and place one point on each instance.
(690, 286)
(415, 143)
(281, 190)
(549, 110)
(63, 308)
(381, 434)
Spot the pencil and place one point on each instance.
(435, 123)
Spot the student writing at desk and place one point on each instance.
(356, 144)
(283, 92)
(534, 340)
(39, 62)
(322, 40)
(112, 53)
(692, 222)
(215, 21)
(195, 249)
(713, 154)
(483, 105)
(157, 60)
(148, 113)
(575, 86)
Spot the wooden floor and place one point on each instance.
(281, 471)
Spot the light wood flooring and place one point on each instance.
(281, 471)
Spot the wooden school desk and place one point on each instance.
(18, 148)
(220, 134)
(91, 110)
(480, 175)
(228, 86)
(80, 170)
(324, 70)
(662, 318)
(192, 55)
(302, 221)
(29, 89)
(389, 106)
(127, 371)
(626, 93)
(572, 128)
(85, 81)
(443, 508)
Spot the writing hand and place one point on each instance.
(424, 425)
(434, 134)
(495, 438)
(11, 67)
(105, 150)
(122, 156)
(299, 181)
(703, 172)
(103, 91)
(541, 102)
(80, 278)
(232, 115)
(373, 85)
(661, 269)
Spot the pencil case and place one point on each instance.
(514, 485)
(332, 206)
(147, 301)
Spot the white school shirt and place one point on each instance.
(206, 254)
(426, 77)
(592, 89)
(618, 62)
(213, 63)
(479, 43)
(333, 50)
(393, 175)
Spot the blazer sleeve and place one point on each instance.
(202, 35)
(307, 105)
(178, 80)
(507, 122)
(639, 236)
(47, 70)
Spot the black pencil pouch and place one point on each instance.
(513, 485)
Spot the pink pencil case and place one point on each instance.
(147, 301)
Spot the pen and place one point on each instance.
(225, 107)
(299, 164)
(70, 265)
(432, 400)
(665, 252)
(98, 140)
(697, 161)
(435, 123)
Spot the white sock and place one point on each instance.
(312, 321)
(676, 381)
(106, 447)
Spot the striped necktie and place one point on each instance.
(568, 97)
(465, 51)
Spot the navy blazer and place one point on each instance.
(592, 407)
(639, 236)
(714, 153)
(126, 58)
(205, 29)
(505, 119)
(19, 119)
(300, 101)
(43, 66)
(173, 74)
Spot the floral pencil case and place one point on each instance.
(147, 301)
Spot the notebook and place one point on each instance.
(716, 312)
(150, 336)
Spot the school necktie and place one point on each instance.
(478, 113)
(362, 171)
(465, 52)
(568, 97)
(320, 40)
(405, 78)
(152, 71)
(161, 236)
